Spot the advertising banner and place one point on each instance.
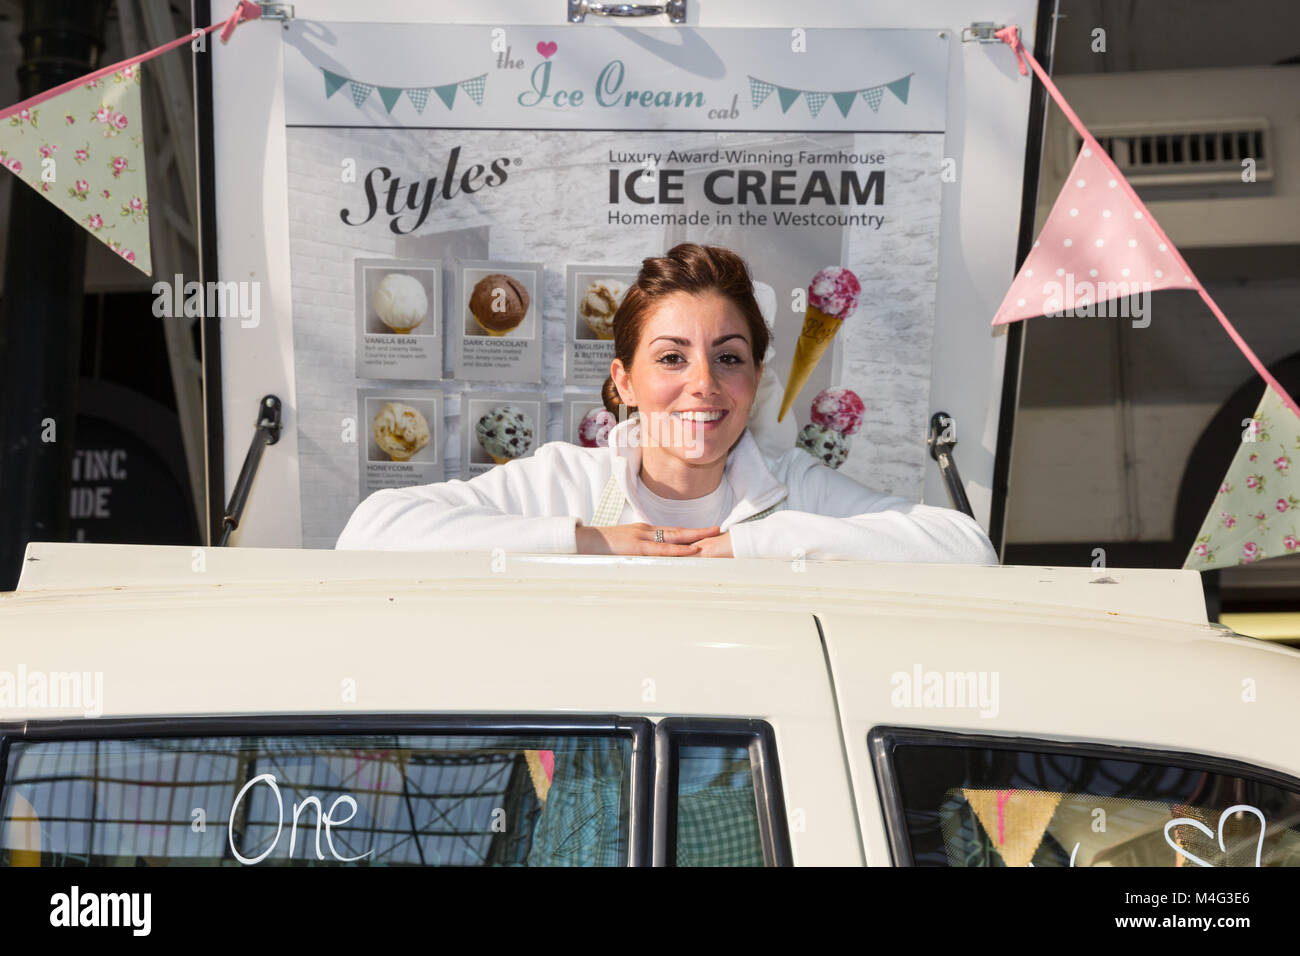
(468, 204)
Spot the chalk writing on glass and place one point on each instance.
(325, 817)
(1188, 821)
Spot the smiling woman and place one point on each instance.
(681, 474)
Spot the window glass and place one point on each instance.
(717, 813)
(362, 799)
(973, 806)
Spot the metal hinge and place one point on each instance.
(276, 11)
(675, 10)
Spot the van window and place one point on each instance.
(464, 799)
(717, 813)
(718, 799)
(955, 801)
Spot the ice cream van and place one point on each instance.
(261, 707)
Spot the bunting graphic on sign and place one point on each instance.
(418, 95)
(83, 150)
(760, 90)
(1256, 514)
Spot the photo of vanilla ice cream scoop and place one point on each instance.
(400, 431)
(400, 302)
(505, 433)
(599, 303)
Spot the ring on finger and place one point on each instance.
(659, 535)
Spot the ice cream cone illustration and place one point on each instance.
(832, 297)
(836, 414)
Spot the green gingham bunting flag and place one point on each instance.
(759, 91)
(873, 97)
(419, 98)
(815, 102)
(360, 91)
(474, 86)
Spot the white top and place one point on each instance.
(702, 512)
(533, 505)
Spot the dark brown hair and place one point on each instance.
(693, 269)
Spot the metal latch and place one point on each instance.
(981, 31)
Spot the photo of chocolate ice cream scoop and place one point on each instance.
(505, 433)
(498, 303)
(400, 430)
(599, 303)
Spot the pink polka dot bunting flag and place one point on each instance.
(1098, 244)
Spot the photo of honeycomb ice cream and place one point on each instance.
(505, 433)
(498, 303)
(400, 302)
(599, 303)
(400, 431)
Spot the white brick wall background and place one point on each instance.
(553, 209)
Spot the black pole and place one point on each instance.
(266, 433)
(40, 314)
(941, 442)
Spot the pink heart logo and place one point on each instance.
(547, 48)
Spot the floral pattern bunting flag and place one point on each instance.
(83, 150)
(1256, 514)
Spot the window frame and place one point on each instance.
(640, 730)
(882, 741)
(757, 736)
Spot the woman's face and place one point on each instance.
(693, 377)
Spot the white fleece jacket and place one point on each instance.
(533, 505)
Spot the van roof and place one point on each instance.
(79, 567)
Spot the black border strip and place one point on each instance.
(214, 432)
(883, 741)
(674, 732)
(639, 729)
(1044, 46)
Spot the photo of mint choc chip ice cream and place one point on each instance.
(824, 443)
(505, 433)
